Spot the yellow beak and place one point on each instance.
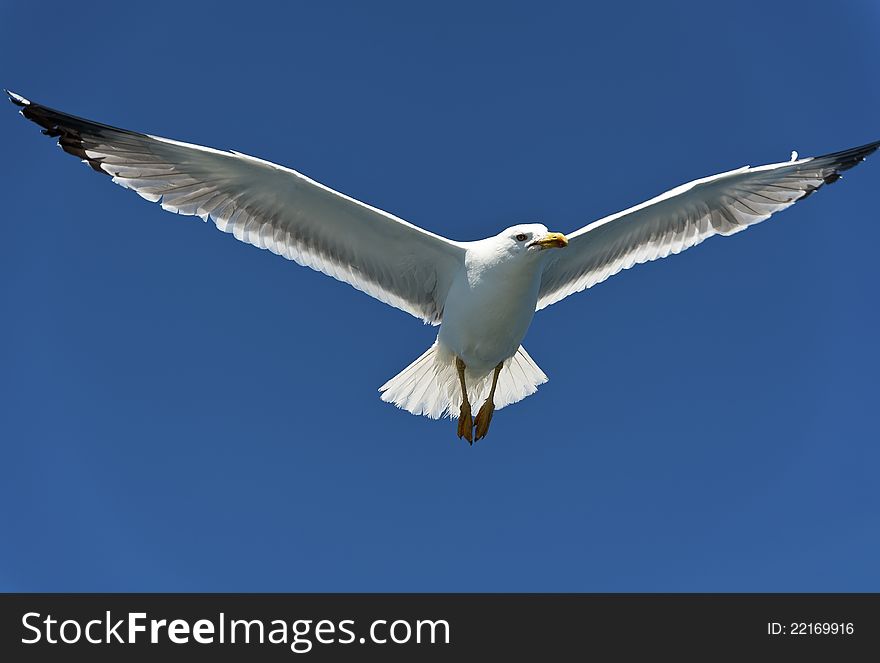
(551, 241)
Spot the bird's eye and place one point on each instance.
(521, 238)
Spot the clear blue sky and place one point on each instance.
(181, 411)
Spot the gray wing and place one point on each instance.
(683, 217)
(270, 207)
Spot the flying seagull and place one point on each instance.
(482, 294)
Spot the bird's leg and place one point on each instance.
(465, 420)
(484, 416)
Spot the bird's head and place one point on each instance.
(530, 238)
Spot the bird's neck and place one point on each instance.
(500, 269)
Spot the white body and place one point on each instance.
(490, 306)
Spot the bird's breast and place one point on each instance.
(487, 314)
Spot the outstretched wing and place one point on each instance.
(271, 207)
(683, 217)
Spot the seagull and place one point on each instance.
(482, 294)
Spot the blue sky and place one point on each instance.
(184, 412)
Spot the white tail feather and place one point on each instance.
(429, 386)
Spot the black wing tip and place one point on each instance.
(837, 162)
(864, 151)
(846, 159)
(17, 99)
(55, 124)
